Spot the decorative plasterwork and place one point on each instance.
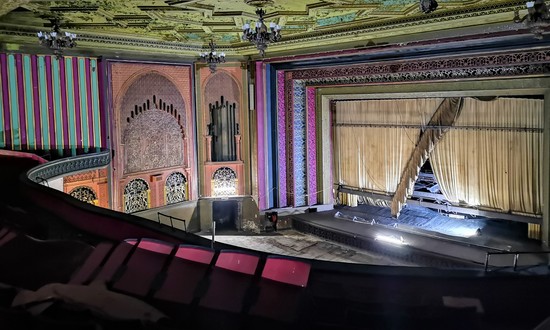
(153, 140)
(464, 67)
(90, 175)
(187, 26)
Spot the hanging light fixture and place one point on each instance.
(537, 18)
(212, 58)
(260, 35)
(57, 40)
(427, 6)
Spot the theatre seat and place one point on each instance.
(8, 236)
(92, 263)
(116, 260)
(230, 280)
(142, 268)
(30, 263)
(281, 294)
(186, 271)
(3, 231)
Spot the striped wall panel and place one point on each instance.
(281, 131)
(299, 143)
(50, 104)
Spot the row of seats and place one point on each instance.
(174, 276)
(184, 281)
(30, 263)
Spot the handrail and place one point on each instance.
(516, 256)
(171, 222)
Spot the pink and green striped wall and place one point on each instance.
(50, 104)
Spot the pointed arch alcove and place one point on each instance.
(222, 118)
(153, 134)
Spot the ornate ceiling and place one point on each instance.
(186, 26)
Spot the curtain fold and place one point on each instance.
(496, 162)
(444, 117)
(370, 157)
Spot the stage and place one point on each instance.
(423, 236)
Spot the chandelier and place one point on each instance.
(56, 40)
(260, 35)
(212, 58)
(537, 17)
(427, 6)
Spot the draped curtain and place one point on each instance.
(496, 165)
(372, 157)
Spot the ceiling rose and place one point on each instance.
(258, 3)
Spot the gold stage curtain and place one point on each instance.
(373, 158)
(493, 166)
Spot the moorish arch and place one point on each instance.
(84, 194)
(136, 196)
(221, 84)
(176, 188)
(142, 85)
(224, 182)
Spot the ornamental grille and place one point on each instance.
(175, 188)
(136, 196)
(85, 194)
(224, 182)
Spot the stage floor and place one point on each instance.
(420, 234)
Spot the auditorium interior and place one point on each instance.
(135, 136)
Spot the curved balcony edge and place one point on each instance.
(69, 165)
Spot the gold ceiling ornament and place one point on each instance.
(258, 3)
(261, 36)
(55, 39)
(212, 58)
(537, 18)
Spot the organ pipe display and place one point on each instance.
(222, 128)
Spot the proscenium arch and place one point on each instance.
(465, 88)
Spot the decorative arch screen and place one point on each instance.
(136, 196)
(224, 182)
(175, 188)
(85, 194)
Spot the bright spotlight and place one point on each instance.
(390, 239)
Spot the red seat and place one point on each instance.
(286, 270)
(3, 231)
(238, 262)
(7, 237)
(281, 291)
(144, 265)
(92, 264)
(30, 263)
(230, 280)
(186, 271)
(195, 253)
(115, 260)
